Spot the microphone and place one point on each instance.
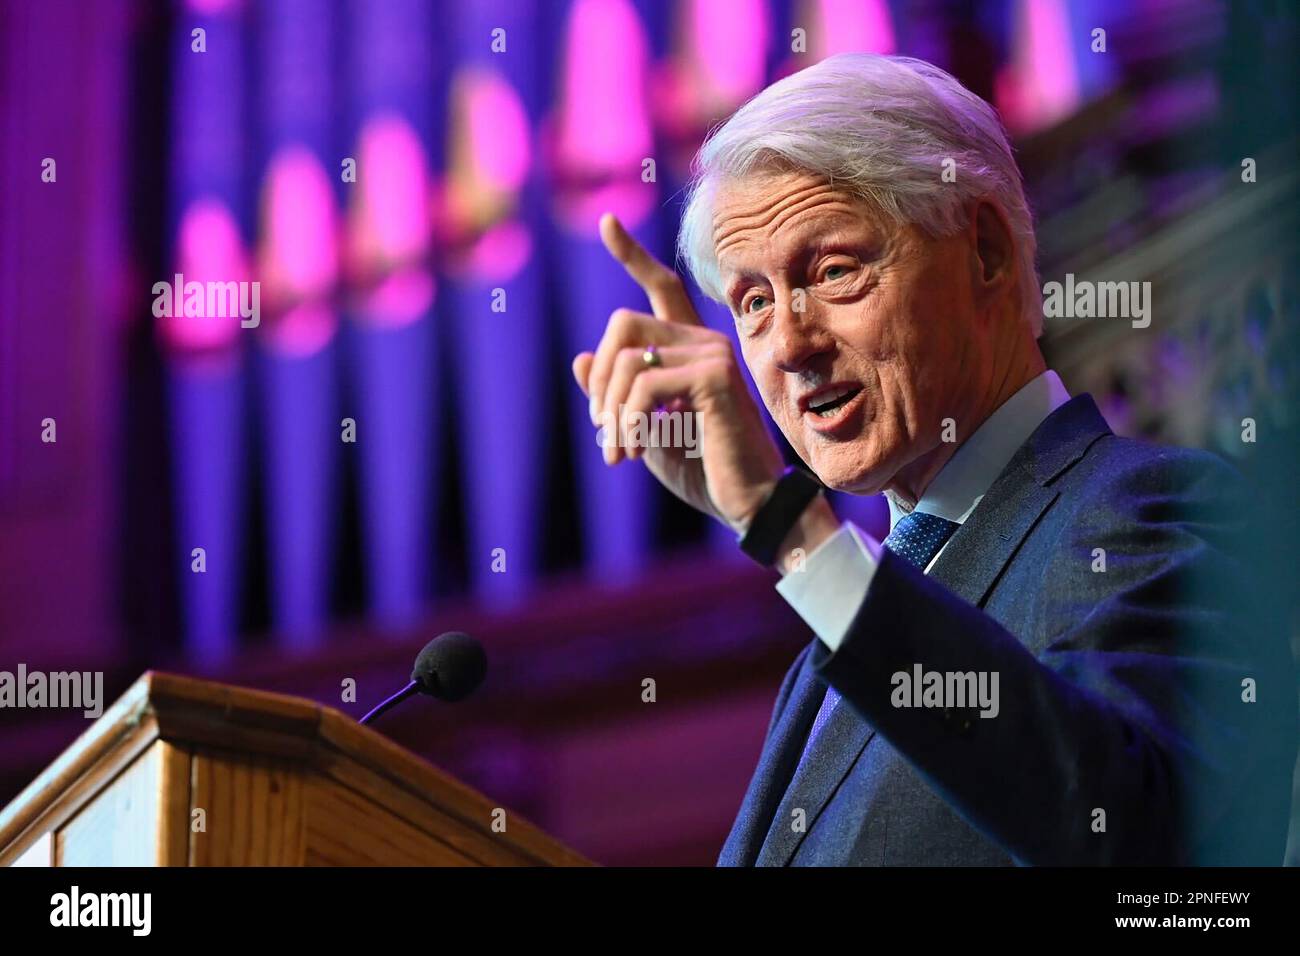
(450, 667)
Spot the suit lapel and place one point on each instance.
(839, 744)
(981, 548)
(781, 751)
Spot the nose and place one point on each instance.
(798, 335)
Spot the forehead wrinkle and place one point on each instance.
(730, 229)
(765, 214)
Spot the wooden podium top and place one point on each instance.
(237, 728)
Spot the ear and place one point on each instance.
(995, 249)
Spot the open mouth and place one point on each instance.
(827, 404)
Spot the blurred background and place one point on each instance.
(398, 449)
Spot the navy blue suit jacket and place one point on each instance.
(1126, 734)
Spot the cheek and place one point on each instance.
(777, 403)
(900, 362)
(942, 292)
(771, 384)
(923, 333)
(880, 335)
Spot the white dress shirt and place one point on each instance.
(833, 581)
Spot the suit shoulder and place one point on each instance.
(1117, 467)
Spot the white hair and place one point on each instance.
(882, 128)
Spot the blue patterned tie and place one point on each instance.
(918, 538)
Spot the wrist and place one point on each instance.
(784, 516)
(741, 525)
(814, 527)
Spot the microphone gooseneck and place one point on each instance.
(401, 695)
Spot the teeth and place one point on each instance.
(831, 396)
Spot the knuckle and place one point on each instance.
(719, 349)
(668, 280)
(628, 358)
(652, 387)
(641, 388)
(717, 371)
(621, 322)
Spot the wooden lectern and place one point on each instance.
(185, 772)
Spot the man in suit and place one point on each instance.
(1057, 655)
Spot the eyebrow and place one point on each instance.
(741, 281)
(816, 245)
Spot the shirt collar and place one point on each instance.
(971, 471)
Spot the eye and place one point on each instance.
(754, 303)
(834, 272)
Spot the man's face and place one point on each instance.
(887, 344)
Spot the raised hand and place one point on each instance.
(694, 372)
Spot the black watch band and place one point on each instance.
(794, 490)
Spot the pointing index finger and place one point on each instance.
(663, 287)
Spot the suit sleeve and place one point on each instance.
(1128, 728)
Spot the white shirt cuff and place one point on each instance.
(829, 587)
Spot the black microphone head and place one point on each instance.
(450, 667)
